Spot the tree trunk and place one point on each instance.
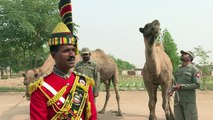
(2, 73)
(10, 73)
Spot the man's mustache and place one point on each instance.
(71, 58)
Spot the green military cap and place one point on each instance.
(85, 50)
(188, 52)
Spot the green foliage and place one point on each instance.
(127, 83)
(202, 54)
(131, 83)
(207, 83)
(12, 89)
(122, 65)
(170, 48)
(25, 28)
(203, 59)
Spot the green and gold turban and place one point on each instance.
(61, 35)
(63, 32)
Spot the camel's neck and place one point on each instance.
(151, 57)
(150, 51)
(47, 67)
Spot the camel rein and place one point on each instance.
(21, 101)
(177, 94)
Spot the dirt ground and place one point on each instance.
(13, 106)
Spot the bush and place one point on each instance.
(207, 83)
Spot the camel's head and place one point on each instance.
(30, 76)
(151, 31)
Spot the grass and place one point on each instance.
(126, 83)
(12, 89)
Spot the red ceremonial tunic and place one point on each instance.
(38, 101)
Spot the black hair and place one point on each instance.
(54, 48)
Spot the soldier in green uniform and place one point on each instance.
(187, 79)
(89, 68)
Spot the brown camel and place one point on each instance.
(157, 70)
(108, 73)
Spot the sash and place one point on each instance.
(74, 104)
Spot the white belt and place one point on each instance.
(53, 91)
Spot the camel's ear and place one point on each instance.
(141, 30)
(23, 74)
(36, 75)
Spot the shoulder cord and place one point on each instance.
(33, 86)
(65, 107)
(57, 96)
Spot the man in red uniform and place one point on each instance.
(63, 94)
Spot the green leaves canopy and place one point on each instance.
(25, 26)
(170, 48)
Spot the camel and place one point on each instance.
(108, 73)
(157, 70)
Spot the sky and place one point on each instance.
(113, 25)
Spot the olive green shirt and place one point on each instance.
(189, 78)
(90, 69)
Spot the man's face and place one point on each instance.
(65, 57)
(185, 57)
(86, 57)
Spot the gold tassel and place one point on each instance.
(90, 81)
(88, 109)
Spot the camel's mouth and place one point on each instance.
(26, 82)
(151, 29)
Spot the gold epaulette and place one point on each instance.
(89, 80)
(33, 86)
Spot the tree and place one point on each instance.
(202, 54)
(171, 49)
(203, 59)
(25, 29)
(122, 65)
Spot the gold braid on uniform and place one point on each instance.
(66, 107)
(33, 86)
(51, 101)
(90, 82)
(57, 96)
(88, 110)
